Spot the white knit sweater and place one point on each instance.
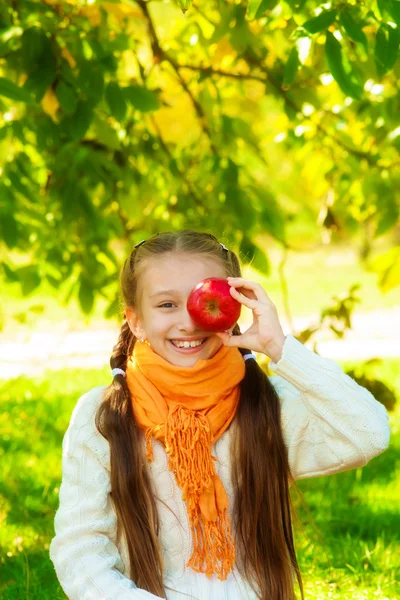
(330, 424)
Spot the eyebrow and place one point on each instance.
(162, 292)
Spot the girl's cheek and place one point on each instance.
(164, 321)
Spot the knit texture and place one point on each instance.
(330, 424)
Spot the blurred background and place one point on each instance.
(271, 124)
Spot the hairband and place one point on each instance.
(143, 241)
(115, 372)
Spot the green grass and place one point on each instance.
(355, 554)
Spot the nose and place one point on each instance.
(186, 323)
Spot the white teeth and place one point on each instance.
(187, 344)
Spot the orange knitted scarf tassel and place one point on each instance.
(187, 409)
(188, 443)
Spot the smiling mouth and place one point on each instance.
(188, 345)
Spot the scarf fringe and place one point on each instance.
(214, 549)
(188, 445)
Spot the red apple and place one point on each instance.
(211, 305)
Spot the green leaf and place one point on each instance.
(244, 130)
(105, 134)
(257, 8)
(383, 6)
(39, 81)
(247, 250)
(113, 309)
(54, 281)
(4, 131)
(77, 124)
(29, 278)
(11, 275)
(381, 50)
(252, 8)
(7, 200)
(333, 53)
(116, 100)
(394, 9)
(239, 33)
(19, 186)
(391, 278)
(91, 81)
(270, 219)
(48, 134)
(184, 5)
(288, 107)
(34, 44)
(352, 28)
(141, 98)
(84, 203)
(323, 21)
(67, 97)
(24, 166)
(296, 4)
(230, 175)
(239, 202)
(264, 6)
(37, 309)
(251, 254)
(261, 262)
(14, 92)
(387, 219)
(173, 168)
(85, 295)
(9, 229)
(393, 45)
(386, 48)
(291, 68)
(387, 214)
(387, 266)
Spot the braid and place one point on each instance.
(122, 349)
(129, 474)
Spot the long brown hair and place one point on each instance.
(261, 512)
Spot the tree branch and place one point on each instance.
(159, 55)
(196, 199)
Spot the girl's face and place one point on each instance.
(161, 315)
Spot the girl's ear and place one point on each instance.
(134, 322)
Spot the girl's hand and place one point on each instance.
(265, 334)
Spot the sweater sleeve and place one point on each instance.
(83, 551)
(329, 422)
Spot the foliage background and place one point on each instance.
(273, 124)
(120, 119)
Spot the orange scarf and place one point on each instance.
(187, 409)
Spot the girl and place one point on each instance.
(176, 476)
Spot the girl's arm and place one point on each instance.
(84, 553)
(330, 423)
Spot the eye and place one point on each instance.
(165, 304)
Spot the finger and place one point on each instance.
(233, 341)
(259, 292)
(248, 302)
(225, 337)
